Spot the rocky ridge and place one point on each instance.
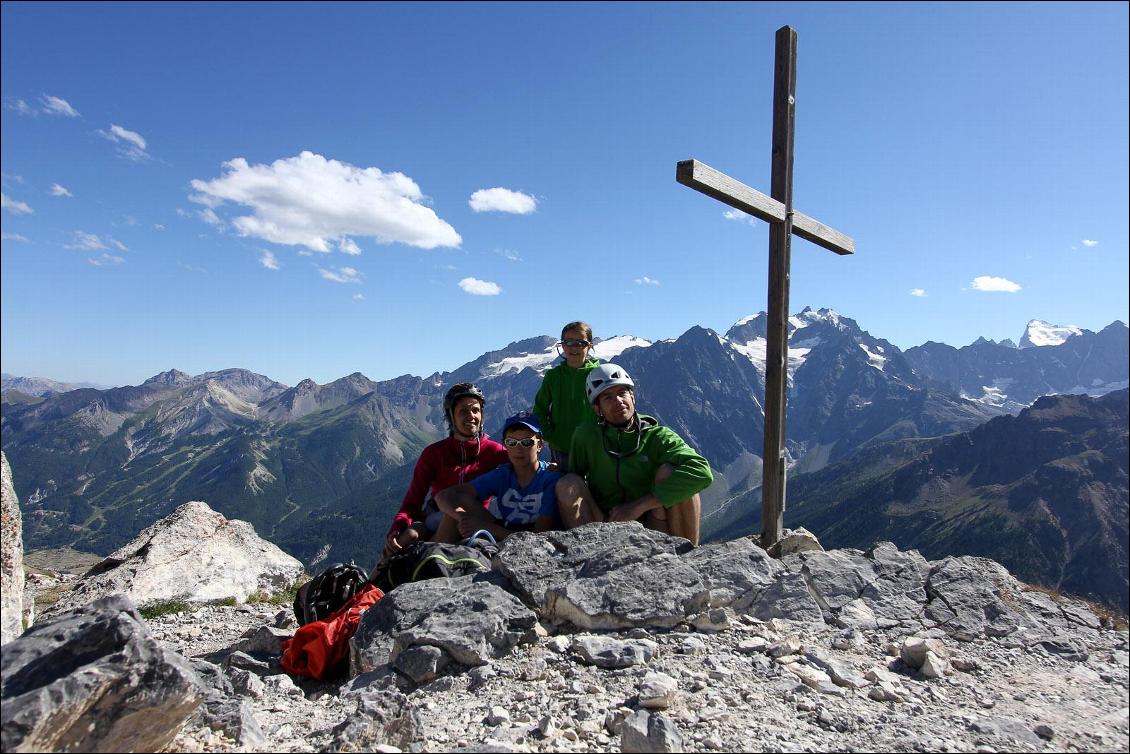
(615, 637)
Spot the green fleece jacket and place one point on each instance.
(561, 405)
(614, 481)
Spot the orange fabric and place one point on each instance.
(318, 648)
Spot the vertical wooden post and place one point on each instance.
(780, 237)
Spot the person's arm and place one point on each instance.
(692, 472)
(412, 506)
(543, 403)
(461, 497)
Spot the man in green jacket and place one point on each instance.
(625, 467)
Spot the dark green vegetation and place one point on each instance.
(1044, 493)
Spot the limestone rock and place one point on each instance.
(606, 652)
(649, 732)
(794, 541)
(966, 594)
(192, 555)
(473, 622)
(384, 717)
(94, 679)
(11, 558)
(657, 691)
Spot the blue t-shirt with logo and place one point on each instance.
(518, 507)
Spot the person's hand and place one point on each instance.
(625, 512)
(398, 540)
(470, 522)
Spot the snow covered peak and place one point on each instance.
(609, 349)
(1040, 333)
(810, 317)
(747, 320)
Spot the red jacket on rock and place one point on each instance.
(444, 464)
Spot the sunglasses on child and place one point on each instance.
(574, 343)
(513, 442)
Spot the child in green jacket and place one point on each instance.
(561, 405)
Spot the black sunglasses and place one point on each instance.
(525, 442)
(574, 343)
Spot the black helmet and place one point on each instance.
(454, 394)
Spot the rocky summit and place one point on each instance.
(608, 637)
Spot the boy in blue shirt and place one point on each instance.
(523, 493)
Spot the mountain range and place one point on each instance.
(320, 469)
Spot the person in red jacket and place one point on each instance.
(464, 454)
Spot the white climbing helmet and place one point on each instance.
(603, 377)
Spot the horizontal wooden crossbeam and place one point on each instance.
(725, 189)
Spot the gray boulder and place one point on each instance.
(472, 622)
(193, 555)
(12, 600)
(94, 679)
(967, 599)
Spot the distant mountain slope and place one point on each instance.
(1051, 360)
(1044, 493)
(39, 386)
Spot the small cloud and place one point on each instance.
(477, 287)
(1089, 243)
(994, 284)
(132, 145)
(19, 106)
(341, 275)
(738, 216)
(645, 280)
(268, 259)
(57, 190)
(502, 200)
(190, 268)
(347, 245)
(13, 206)
(6, 236)
(7, 179)
(448, 267)
(509, 254)
(105, 259)
(358, 296)
(210, 217)
(158, 226)
(314, 202)
(90, 242)
(182, 212)
(58, 106)
(919, 292)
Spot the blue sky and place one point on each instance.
(306, 190)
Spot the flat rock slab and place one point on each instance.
(94, 679)
(472, 622)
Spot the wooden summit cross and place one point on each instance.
(776, 210)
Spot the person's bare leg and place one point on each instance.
(448, 531)
(575, 503)
(683, 519)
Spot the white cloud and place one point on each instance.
(59, 106)
(645, 280)
(510, 254)
(739, 216)
(7, 179)
(1089, 243)
(994, 284)
(477, 287)
(158, 226)
(919, 292)
(210, 217)
(358, 296)
(19, 106)
(341, 275)
(57, 190)
(347, 245)
(311, 201)
(13, 206)
(268, 259)
(105, 259)
(133, 145)
(90, 242)
(6, 236)
(502, 200)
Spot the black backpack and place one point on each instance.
(430, 560)
(324, 594)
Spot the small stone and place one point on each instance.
(657, 691)
(754, 645)
(789, 646)
(559, 644)
(1045, 731)
(497, 716)
(934, 666)
(915, 649)
(547, 726)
